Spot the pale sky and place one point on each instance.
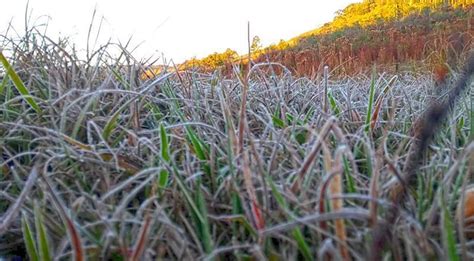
(179, 29)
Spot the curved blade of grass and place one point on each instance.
(29, 241)
(112, 122)
(20, 86)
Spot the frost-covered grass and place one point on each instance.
(99, 163)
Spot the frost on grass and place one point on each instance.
(138, 167)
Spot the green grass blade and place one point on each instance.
(188, 198)
(163, 179)
(236, 210)
(332, 101)
(164, 146)
(302, 245)
(204, 224)
(41, 236)
(368, 118)
(348, 174)
(82, 115)
(278, 197)
(197, 144)
(448, 233)
(20, 86)
(296, 233)
(29, 241)
(277, 122)
(3, 85)
(110, 126)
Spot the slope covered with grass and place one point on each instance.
(416, 35)
(99, 163)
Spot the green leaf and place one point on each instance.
(332, 101)
(188, 197)
(197, 144)
(163, 179)
(302, 245)
(371, 102)
(110, 126)
(296, 233)
(278, 197)
(3, 84)
(164, 146)
(112, 122)
(205, 232)
(448, 233)
(301, 136)
(350, 180)
(41, 237)
(29, 241)
(20, 86)
(278, 122)
(289, 118)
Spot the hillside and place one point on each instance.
(388, 33)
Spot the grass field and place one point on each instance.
(98, 163)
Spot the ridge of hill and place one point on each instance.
(370, 12)
(389, 33)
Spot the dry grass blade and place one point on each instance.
(336, 191)
(346, 213)
(309, 159)
(374, 185)
(143, 238)
(379, 102)
(254, 206)
(326, 76)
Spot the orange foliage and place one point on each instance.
(368, 33)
